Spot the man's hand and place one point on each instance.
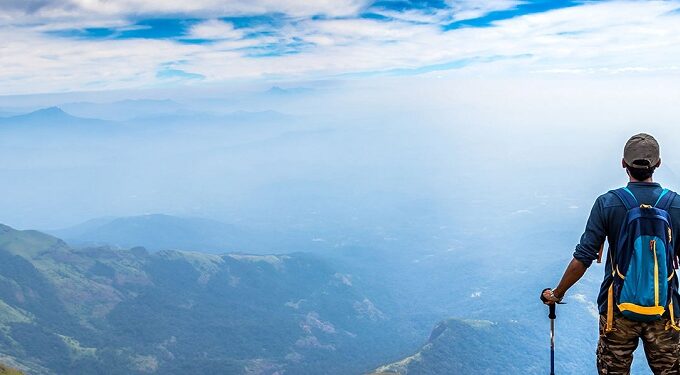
(572, 274)
(549, 296)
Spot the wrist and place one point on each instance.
(559, 293)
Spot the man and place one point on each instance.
(619, 335)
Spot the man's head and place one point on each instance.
(641, 156)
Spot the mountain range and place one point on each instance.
(54, 119)
(130, 113)
(112, 311)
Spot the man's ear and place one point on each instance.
(623, 163)
(658, 164)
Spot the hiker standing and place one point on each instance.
(639, 295)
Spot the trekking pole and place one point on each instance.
(551, 316)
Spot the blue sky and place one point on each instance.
(178, 27)
(99, 45)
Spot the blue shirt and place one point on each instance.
(605, 221)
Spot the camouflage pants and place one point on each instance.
(615, 349)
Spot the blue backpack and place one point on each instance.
(643, 266)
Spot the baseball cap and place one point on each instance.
(641, 151)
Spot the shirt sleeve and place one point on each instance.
(675, 218)
(593, 237)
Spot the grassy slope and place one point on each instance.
(4, 370)
(100, 309)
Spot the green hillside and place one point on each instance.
(4, 370)
(112, 311)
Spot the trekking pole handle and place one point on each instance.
(551, 306)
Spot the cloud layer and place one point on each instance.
(57, 46)
(77, 9)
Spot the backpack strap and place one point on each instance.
(629, 201)
(626, 197)
(665, 199)
(665, 202)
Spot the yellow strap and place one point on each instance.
(652, 246)
(622, 276)
(610, 309)
(642, 310)
(672, 322)
(610, 296)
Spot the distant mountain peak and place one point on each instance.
(280, 91)
(277, 90)
(49, 113)
(51, 117)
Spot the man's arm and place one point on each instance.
(575, 270)
(586, 252)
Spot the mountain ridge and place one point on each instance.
(53, 118)
(119, 311)
(460, 346)
(48, 113)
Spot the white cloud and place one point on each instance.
(458, 10)
(64, 9)
(215, 29)
(596, 38)
(589, 305)
(468, 9)
(36, 63)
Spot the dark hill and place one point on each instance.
(474, 347)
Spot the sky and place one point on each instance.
(56, 46)
(356, 111)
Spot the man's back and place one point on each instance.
(605, 221)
